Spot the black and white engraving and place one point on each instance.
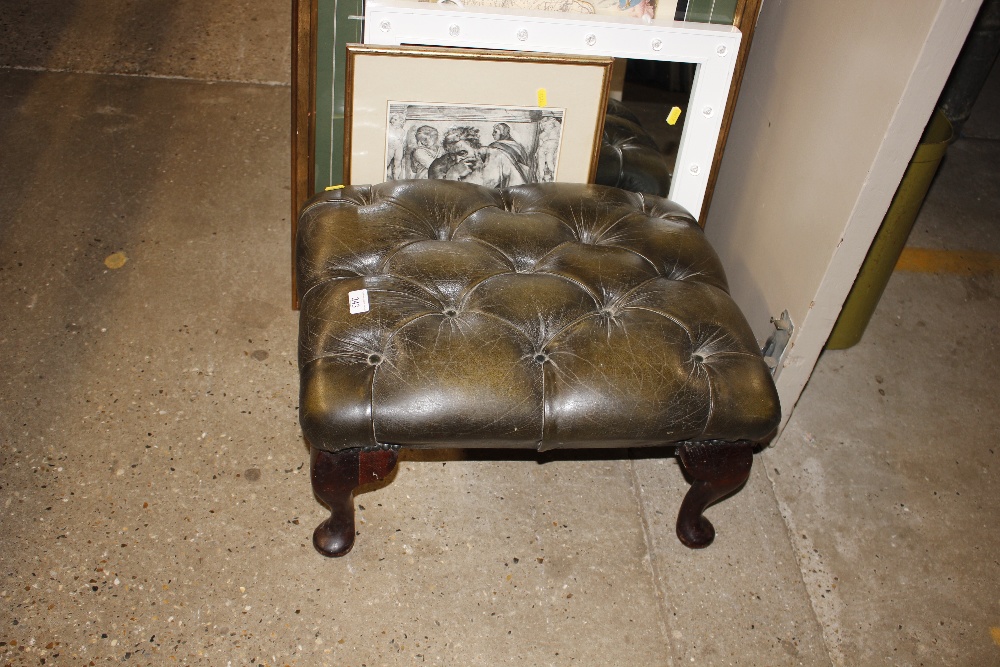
(495, 146)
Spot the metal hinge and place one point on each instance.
(776, 343)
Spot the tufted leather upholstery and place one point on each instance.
(630, 158)
(541, 316)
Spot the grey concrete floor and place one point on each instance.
(154, 496)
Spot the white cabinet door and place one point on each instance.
(834, 99)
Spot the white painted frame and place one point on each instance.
(712, 48)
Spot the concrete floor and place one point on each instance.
(154, 488)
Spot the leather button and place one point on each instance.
(374, 359)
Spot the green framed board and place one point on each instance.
(338, 24)
(707, 11)
(321, 30)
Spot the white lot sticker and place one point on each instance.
(358, 300)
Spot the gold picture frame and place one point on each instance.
(495, 118)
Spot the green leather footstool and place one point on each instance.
(442, 314)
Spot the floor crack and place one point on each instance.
(828, 626)
(147, 75)
(654, 571)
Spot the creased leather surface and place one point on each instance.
(629, 157)
(547, 315)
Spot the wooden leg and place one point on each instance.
(335, 476)
(718, 469)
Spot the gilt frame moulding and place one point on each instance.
(521, 117)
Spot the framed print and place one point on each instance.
(495, 118)
(441, 141)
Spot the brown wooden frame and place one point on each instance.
(303, 114)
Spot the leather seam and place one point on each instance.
(711, 403)
(638, 254)
(423, 219)
(670, 318)
(586, 289)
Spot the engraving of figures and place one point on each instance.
(395, 138)
(424, 152)
(549, 132)
(495, 146)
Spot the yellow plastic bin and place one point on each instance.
(891, 237)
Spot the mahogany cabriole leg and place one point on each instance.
(335, 476)
(717, 468)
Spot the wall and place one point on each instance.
(833, 102)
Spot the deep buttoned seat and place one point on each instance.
(540, 316)
(630, 158)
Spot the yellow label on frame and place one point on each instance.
(543, 97)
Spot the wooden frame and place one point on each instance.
(303, 113)
(478, 91)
